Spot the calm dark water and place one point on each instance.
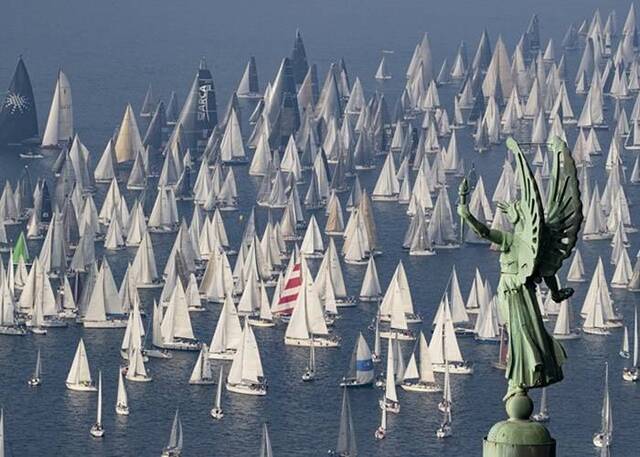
(111, 50)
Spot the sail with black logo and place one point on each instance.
(199, 114)
(18, 120)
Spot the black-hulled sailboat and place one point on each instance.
(18, 119)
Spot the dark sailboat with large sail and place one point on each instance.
(18, 119)
(199, 114)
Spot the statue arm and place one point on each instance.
(482, 230)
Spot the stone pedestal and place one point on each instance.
(519, 436)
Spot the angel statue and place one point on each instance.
(542, 238)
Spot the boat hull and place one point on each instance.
(81, 387)
(105, 324)
(254, 390)
(420, 387)
(316, 342)
(453, 369)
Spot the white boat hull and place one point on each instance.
(420, 387)
(81, 387)
(316, 342)
(569, 336)
(255, 390)
(227, 355)
(261, 323)
(122, 410)
(138, 378)
(115, 323)
(392, 335)
(453, 369)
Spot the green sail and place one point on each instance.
(20, 250)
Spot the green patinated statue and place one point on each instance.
(541, 240)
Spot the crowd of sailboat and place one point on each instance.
(173, 172)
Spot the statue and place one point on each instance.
(532, 253)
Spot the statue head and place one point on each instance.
(512, 211)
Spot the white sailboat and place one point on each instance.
(310, 371)
(79, 377)
(60, 121)
(174, 446)
(265, 443)
(390, 400)
(228, 333)
(370, 290)
(202, 373)
(562, 329)
(104, 304)
(97, 430)
(122, 402)
(624, 351)
(246, 375)
(444, 350)
(381, 431)
(360, 372)
(604, 437)
(136, 371)
(176, 330)
(445, 406)
(543, 414)
(36, 378)
(419, 377)
(216, 412)
(376, 356)
(632, 373)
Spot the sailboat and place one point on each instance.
(624, 351)
(603, 437)
(79, 377)
(265, 443)
(375, 355)
(174, 446)
(246, 375)
(444, 406)
(444, 350)
(97, 430)
(201, 373)
(136, 370)
(503, 350)
(307, 325)
(632, 373)
(310, 371)
(419, 377)
(543, 414)
(60, 121)
(381, 431)
(346, 436)
(390, 400)
(216, 411)
(18, 118)
(228, 333)
(156, 336)
(360, 371)
(122, 402)
(175, 330)
(562, 329)
(36, 378)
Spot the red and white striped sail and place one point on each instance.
(290, 287)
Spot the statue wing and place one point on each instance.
(527, 236)
(564, 211)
